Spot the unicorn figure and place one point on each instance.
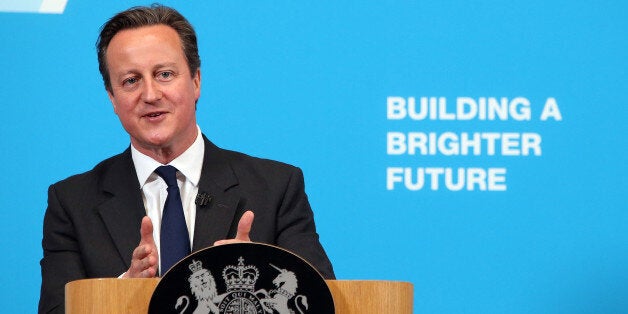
(276, 301)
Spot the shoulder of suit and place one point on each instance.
(237, 159)
(95, 173)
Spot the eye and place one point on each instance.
(165, 76)
(130, 81)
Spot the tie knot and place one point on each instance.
(169, 174)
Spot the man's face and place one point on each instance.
(152, 90)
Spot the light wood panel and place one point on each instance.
(371, 296)
(124, 296)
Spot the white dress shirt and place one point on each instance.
(154, 188)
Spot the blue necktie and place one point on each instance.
(174, 238)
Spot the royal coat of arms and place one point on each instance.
(244, 278)
(241, 296)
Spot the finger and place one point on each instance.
(140, 252)
(147, 266)
(244, 226)
(220, 242)
(149, 272)
(145, 257)
(146, 231)
(143, 264)
(229, 241)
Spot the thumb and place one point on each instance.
(146, 231)
(244, 226)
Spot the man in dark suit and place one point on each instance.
(106, 222)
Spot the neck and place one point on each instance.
(165, 153)
(162, 155)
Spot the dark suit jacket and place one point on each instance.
(92, 222)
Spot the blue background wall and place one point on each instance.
(306, 82)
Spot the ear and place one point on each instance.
(112, 100)
(196, 80)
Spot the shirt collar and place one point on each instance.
(190, 163)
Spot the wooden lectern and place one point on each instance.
(124, 296)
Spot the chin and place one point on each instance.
(154, 141)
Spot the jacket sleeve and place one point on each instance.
(296, 230)
(61, 262)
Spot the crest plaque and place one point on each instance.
(242, 278)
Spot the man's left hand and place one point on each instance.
(244, 228)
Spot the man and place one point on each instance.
(107, 222)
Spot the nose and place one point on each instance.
(151, 91)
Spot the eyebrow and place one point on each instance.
(157, 66)
(163, 65)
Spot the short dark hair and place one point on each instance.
(136, 17)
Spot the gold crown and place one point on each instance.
(241, 277)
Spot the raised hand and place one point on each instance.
(145, 260)
(244, 228)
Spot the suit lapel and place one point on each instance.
(214, 221)
(123, 210)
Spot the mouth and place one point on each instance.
(153, 114)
